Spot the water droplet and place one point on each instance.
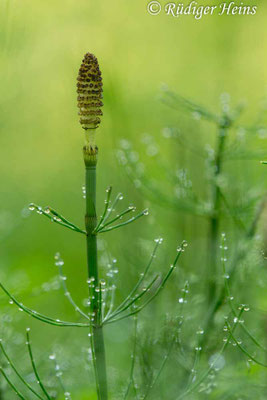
(31, 207)
(158, 240)
(146, 212)
(121, 197)
(181, 300)
(59, 263)
(52, 357)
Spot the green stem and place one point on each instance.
(215, 218)
(97, 338)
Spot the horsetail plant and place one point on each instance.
(90, 90)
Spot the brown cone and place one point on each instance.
(89, 89)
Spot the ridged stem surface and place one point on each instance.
(97, 338)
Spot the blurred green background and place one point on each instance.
(42, 44)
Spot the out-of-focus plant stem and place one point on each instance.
(214, 222)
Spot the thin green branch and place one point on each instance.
(11, 364)
(228, 292)
(142, 276)
(111, 228)
(192, 375)
(180, 250)
(164, 361)
(236, 220)
(131, 380)
(112, 207)
(67, 293)
(193, 387)
(58, 375)
(34, 366)
(135, 299)
(119, 216)
(11, 385)
(107, 201)
(55, 217)
(189, 105)
(242, 348)
(40, 316)
(176, 338)
(63, 219)
(113, 288)
(151, 190)
(181, 318)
